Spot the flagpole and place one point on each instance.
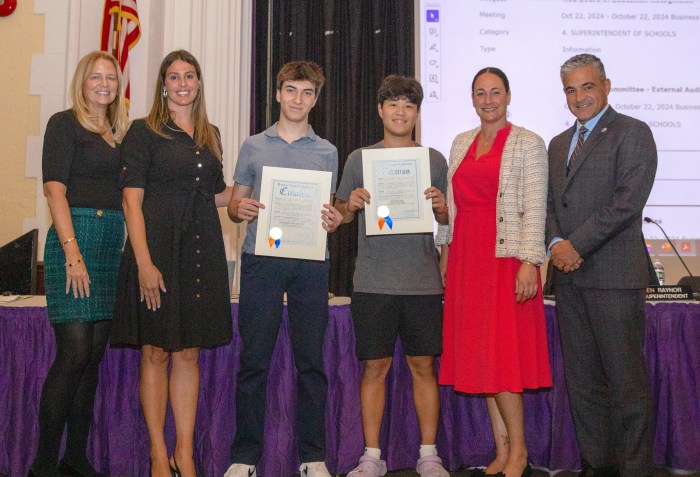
(116, 16)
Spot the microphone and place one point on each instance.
(692, 277)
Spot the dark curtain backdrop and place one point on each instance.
(358, 43)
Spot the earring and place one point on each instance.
(165, 93)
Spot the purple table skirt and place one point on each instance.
(119, 440)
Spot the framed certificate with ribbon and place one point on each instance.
(290, 224)
(396, 179)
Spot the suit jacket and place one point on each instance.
(522, 194)
(598, 206)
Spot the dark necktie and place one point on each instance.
(579, 144)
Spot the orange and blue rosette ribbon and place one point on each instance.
(275, 237)
(384, 217)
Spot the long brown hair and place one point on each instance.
(116, 112)
(205, 134)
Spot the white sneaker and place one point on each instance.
(369, 467)
(241, 470)
(431, 466)
(313, 469)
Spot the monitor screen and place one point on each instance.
(18, 271)
(646, 47)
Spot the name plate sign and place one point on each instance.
(669, 293)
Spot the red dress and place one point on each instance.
(491, 344)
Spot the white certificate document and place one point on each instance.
(290, 224)
(396, 179)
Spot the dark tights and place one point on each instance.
(68, 396)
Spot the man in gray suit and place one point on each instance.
(600, 175)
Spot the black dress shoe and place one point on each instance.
(68, 470)
(604, 471)
(586, 471)
(51, 472)
(607, 471)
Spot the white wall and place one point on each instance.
(217, 32)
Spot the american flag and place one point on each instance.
(121, 31)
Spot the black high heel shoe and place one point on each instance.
(68, 470)
(527, 472)
(176, 471)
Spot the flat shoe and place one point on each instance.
(431, 466)
(369, 467)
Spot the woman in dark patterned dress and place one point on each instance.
(80, 168)
(173, 295)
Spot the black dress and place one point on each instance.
(184, 239)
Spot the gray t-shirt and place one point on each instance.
(405, 264)
(267, 148)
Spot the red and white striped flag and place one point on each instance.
(121, 31)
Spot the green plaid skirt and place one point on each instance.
(100, 236)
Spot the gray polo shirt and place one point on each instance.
(267, 148)
(405, 264)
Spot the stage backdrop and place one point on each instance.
(357, 43)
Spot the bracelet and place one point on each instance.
(528, 262)
(74, 263)
(63, 244)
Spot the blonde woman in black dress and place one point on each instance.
(173, 296)
(80, 168)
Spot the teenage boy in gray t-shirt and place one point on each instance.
(291, 143)
(397, 288)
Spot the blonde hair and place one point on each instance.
(116, 111)
(205, 134)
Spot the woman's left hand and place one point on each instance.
(331, 218)
(77, 277)
(526, 282)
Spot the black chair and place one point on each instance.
(18, 267)
(691, 281)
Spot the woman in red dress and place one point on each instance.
(493, 247)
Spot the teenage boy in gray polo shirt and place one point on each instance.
(397, 288)
(291, 143)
